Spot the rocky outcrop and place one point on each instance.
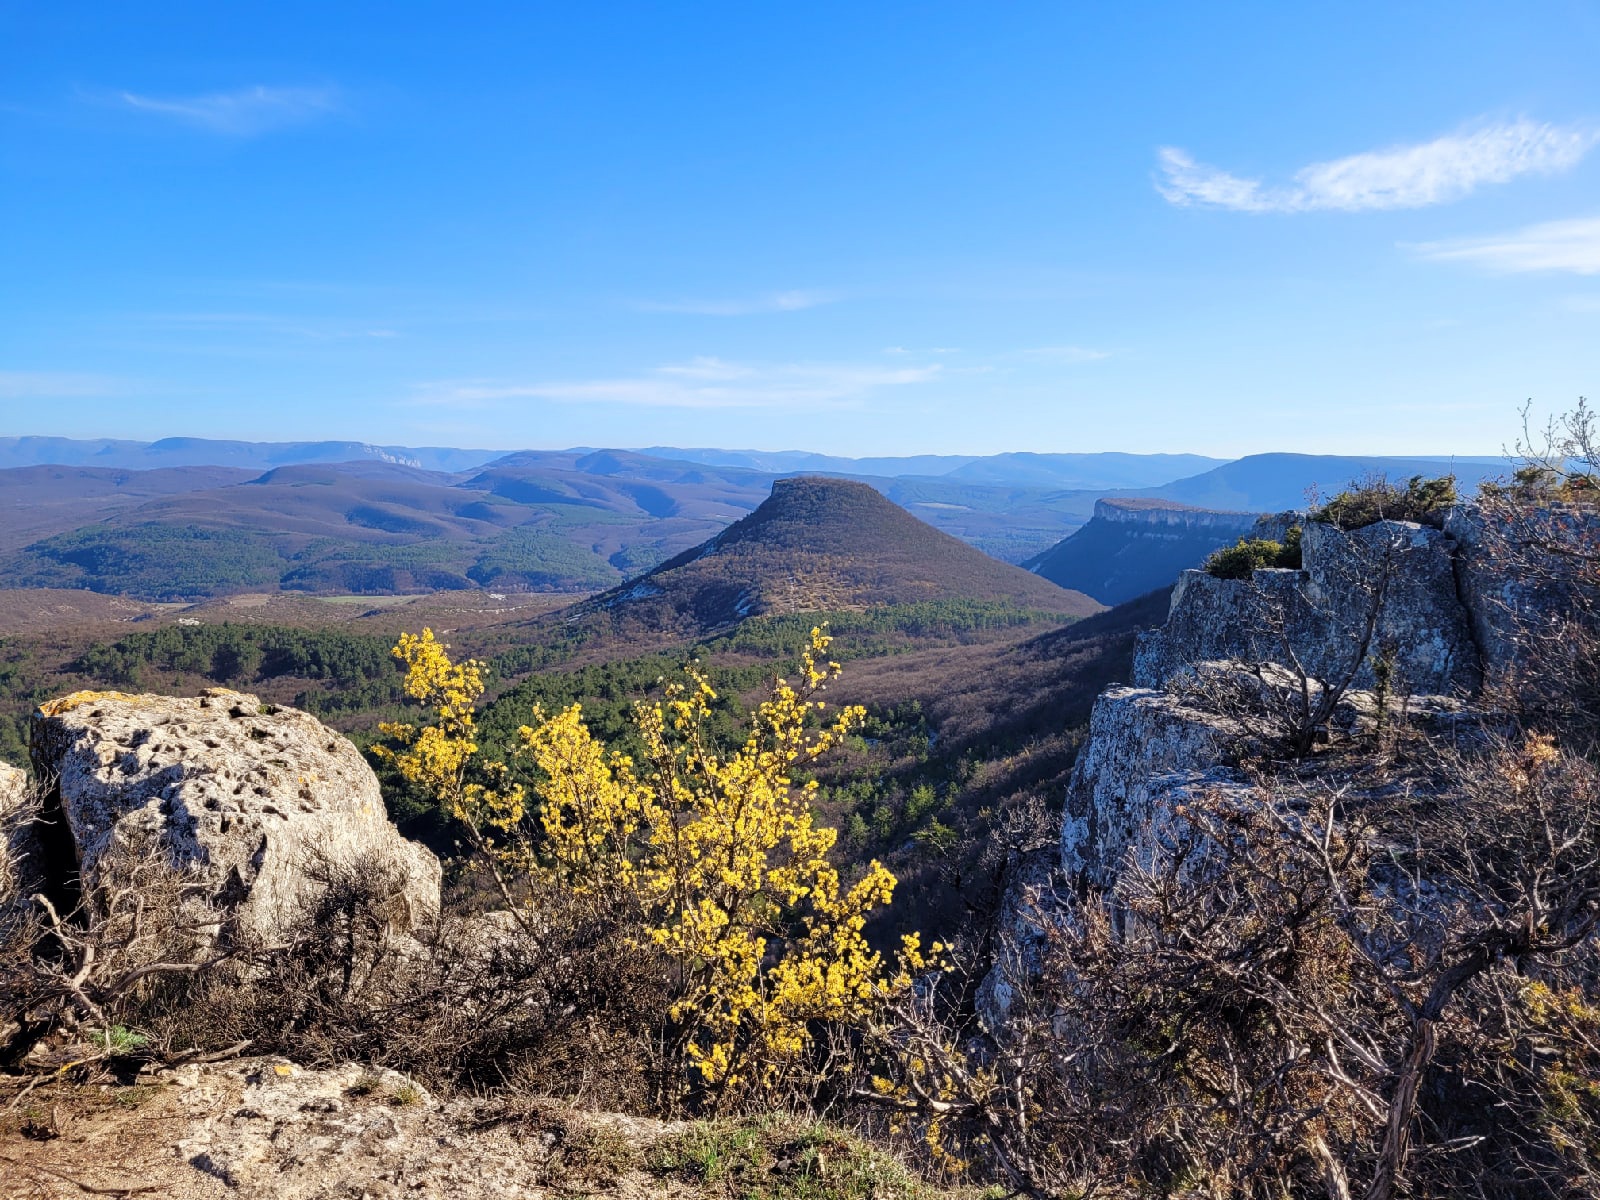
(1160, 752)
(1148, 754)
(1213, 619)
(1318, 614)
(256, 804)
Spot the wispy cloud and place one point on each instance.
(699, 383)
(772, 302)
(1435, 172)
(241, 113)
(1570, 246)
(1068, 354)
(56, 385)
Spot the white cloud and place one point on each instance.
(699, 383)
(56, 385)
(240, 113)
(773, 302)
(1571, 246)
(1435, 172)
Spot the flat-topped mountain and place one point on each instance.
(823, 543)
(1134, 545)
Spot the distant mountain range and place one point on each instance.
(572, 520)
(209, 452)
(1275, 482)
(1070, 471)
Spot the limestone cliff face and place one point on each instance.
(1158, 515)
(256, 803)
(1449, 615)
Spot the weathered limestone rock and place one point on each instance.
(19, 846)
(1493, 598)
(1148, 757)
(1423, 620)
(255, 801)
(13, 785)
(1320, 612)
(1213, 619)
(1119, 797)
(1512, 589)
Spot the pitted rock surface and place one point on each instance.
(1512, 587)
(250, 798)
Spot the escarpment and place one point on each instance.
(1132, 546)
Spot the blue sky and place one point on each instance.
(857, 228)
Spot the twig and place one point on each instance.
(132, 1189)
(195, 1055)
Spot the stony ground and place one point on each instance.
(267, 1128)
(264, 1128)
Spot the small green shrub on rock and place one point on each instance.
(1373, 499)
(1240, 560)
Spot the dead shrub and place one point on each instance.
(75, 973)
(567, 1007)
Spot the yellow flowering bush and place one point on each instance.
(716, 849)
(440, 757)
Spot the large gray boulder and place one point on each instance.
(260, 805)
